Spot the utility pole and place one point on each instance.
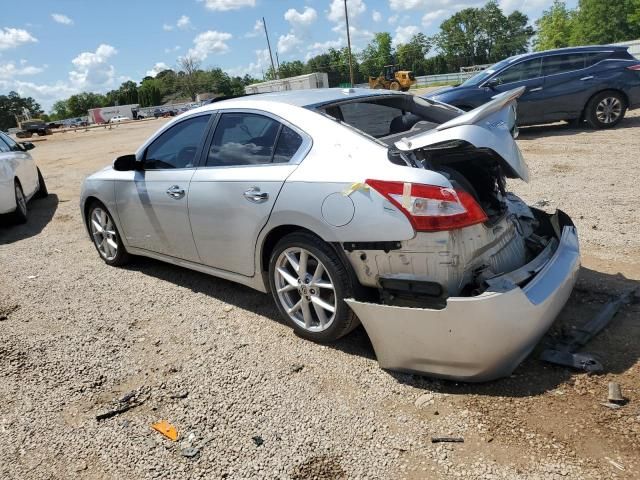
(346, 18)
(273, 67)
(278, 62)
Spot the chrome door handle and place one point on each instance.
(175, 191)
(587, 78)
(537, 89)
(255, 195)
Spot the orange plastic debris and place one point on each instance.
(166, 429)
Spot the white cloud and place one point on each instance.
(183, 22)
(167, 28)
(10, 70)
(404, 34)
(255, 69)
(430, 17)
(287, 43)
(376, 16)
(157, 68)
(336, 9)
(209, 42)
(301, 19)
(224, 5)
(14, 37)
(393, 19)
(320, 47)
(60, 18)
(93, 71)
(172, 49)
(257, 30)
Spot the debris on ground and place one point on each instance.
(166, 429)
(124, 404)
(447, 440)
(424, 399)
(542, 203)
(257, 440)
(295, 368)
(615, 394)
(179, 395)
(190, 452)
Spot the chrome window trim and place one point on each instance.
(296, 159)
(484, 84)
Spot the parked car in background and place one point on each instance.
(20, 178)
(597, 84)
(119, 118)
(352, 205)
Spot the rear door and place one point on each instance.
(526, 74)
(568, 84)
(152, 202)
(247, 160)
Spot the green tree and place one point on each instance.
(554, 27)
(605, 21)
(291, 69)
(13, 104)
(376, 55)
(412, 55)
(149, 93)
(78, 105)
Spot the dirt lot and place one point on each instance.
(214, 359)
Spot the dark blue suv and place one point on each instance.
(597, 84)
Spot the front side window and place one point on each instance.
(4, 148)
(251, 139)
(13, 146)
(177, 147)
(521, 72)
(555, 64)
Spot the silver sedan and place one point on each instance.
(352, 206)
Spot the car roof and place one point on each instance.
(569, 50)
(308, 98)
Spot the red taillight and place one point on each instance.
(634, 67)
(430, 208)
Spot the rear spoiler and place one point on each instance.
(474, 116)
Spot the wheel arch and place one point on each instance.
(591, 97)
(273, 237)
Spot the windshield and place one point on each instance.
(484, 74)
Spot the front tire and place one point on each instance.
(605, 110)
(42, 186)
(20, 213)
(309, 283)
(105, 236)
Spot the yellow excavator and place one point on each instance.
(392, 78)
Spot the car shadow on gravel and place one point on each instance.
(616, 346)
(41, 211)
(570, 129)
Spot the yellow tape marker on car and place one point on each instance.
(354, 187)
(406, 196)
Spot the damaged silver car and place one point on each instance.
(352, 206)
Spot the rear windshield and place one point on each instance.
(389, 118)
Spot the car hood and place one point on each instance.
(491, 126)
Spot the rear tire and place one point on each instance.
(309, 283)
(606, 109)
(395, 86)
(20, 213)
(105, 236)
(42, 189)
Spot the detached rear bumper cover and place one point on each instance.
(479, 338)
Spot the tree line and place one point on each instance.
(472, 36)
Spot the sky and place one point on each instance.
(56, 48)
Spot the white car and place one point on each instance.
(20, 178)
(119, 118)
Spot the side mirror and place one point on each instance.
(28, 146)
(494, 82)
(126, 163)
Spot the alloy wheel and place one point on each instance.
(104, 233)
(609, 110)
(305, 289)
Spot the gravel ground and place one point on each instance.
(78, 339)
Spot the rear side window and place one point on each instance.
(371, 118)
(13, 146)
(251, 139)
(593, 58)
(4, 148)
(555, 64)
(177, 147)
(522, 71)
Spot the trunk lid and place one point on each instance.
(490, 128)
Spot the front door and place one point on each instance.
(152, 203)
(249, 158)
(524, 74)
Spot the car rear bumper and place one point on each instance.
(474, 338)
